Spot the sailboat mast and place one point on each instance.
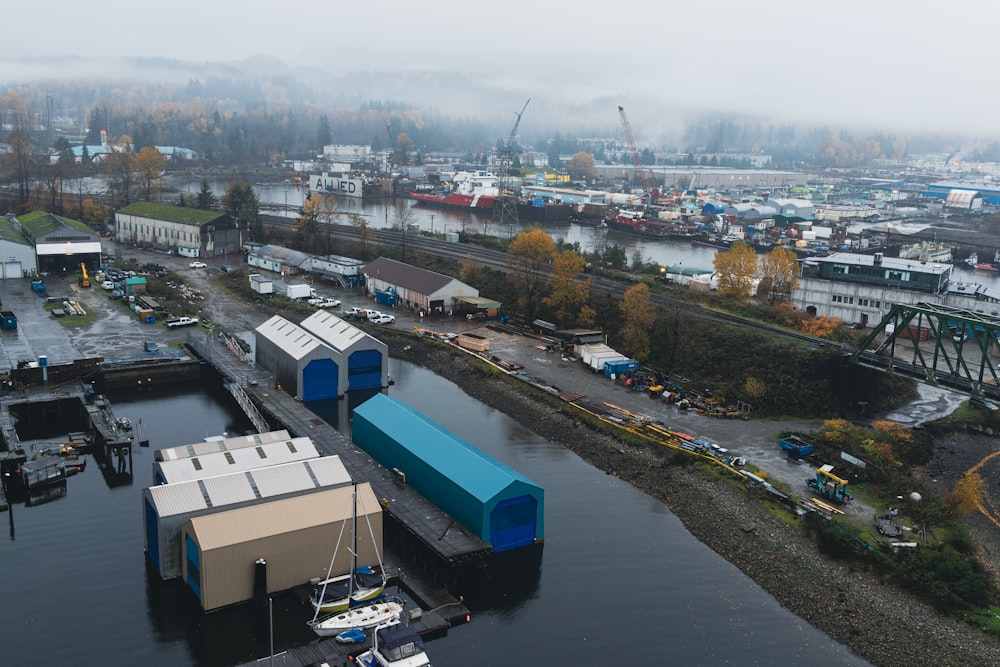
(354, 545)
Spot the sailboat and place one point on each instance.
(363, 606)
(361, 584)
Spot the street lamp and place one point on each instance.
(432, 224)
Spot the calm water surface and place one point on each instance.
(618, 578)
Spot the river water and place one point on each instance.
(665, 252)
(619, 578)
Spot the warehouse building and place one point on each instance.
(237, 460)
(413, 287)
(166, 508)
(302, 364)
(60, 245)
(296, 537)
(361, 360)
(212, 445)
(500, 505)
(184, 231)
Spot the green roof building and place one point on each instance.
(188, 232)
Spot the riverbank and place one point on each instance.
(876, 621)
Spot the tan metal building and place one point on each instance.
(297, 537)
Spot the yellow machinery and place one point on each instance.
(84, 278)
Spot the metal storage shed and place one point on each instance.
(494, 501)
(166, 508)
(296, 536)
(300, 361)
(219, 445)
(362, 360)
(237, 460)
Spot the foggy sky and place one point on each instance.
(892, 64)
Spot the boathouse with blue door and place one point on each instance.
(362, 360)
(304, 366)
(494, 501)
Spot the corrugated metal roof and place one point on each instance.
(185, 497)
(227, 489)
(290, 338)
(332, 330)
(214, 531)
(172, 499)
(291, 257)
(855, 259)
(469, 467)
(217, 445)
(221, 463)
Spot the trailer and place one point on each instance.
(795, 447)
(300, 291)
(588, 351)
(8, 320)
(616, 368)
(598, 361)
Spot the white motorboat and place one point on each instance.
(395, 645)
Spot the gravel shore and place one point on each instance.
(879, 623)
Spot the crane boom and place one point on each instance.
(635, 152)
(513, 132)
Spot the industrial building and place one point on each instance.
(60, 245)
(361, 360)
(500, 505)
(19, 253)
(863, 288)
(237, 460)
(188, 232)
(323, 358)
(414, 287)
(223, 444)
(296, 537)
(166, 508)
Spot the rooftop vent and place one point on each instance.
(878, 258)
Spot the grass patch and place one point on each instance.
(987, 620)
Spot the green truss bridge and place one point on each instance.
(939, 345)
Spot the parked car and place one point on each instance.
(197, 265)
(226, 268)
(381, 318)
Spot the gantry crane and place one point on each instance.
(505, 206)
(635, 152)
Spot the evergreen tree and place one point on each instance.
(205, 199)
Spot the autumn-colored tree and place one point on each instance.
(532, 252)
(120, 171)
(967, 495)
(638, 316)
(149, 165)
(307, 228)
(365, 234)
(570, 291)
(737, 269)
(404, 146)
(779, 277)
(581, 166)
(93, 211)
(823, 327)
(754, 388)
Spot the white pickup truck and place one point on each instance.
(323, 302)
(174, 322)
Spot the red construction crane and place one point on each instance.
(635, 152)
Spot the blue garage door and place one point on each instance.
(364, 370)
(193, 565)
(319, 380)
(512, 523)
(152, 536)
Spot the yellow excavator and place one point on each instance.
(84, 278)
